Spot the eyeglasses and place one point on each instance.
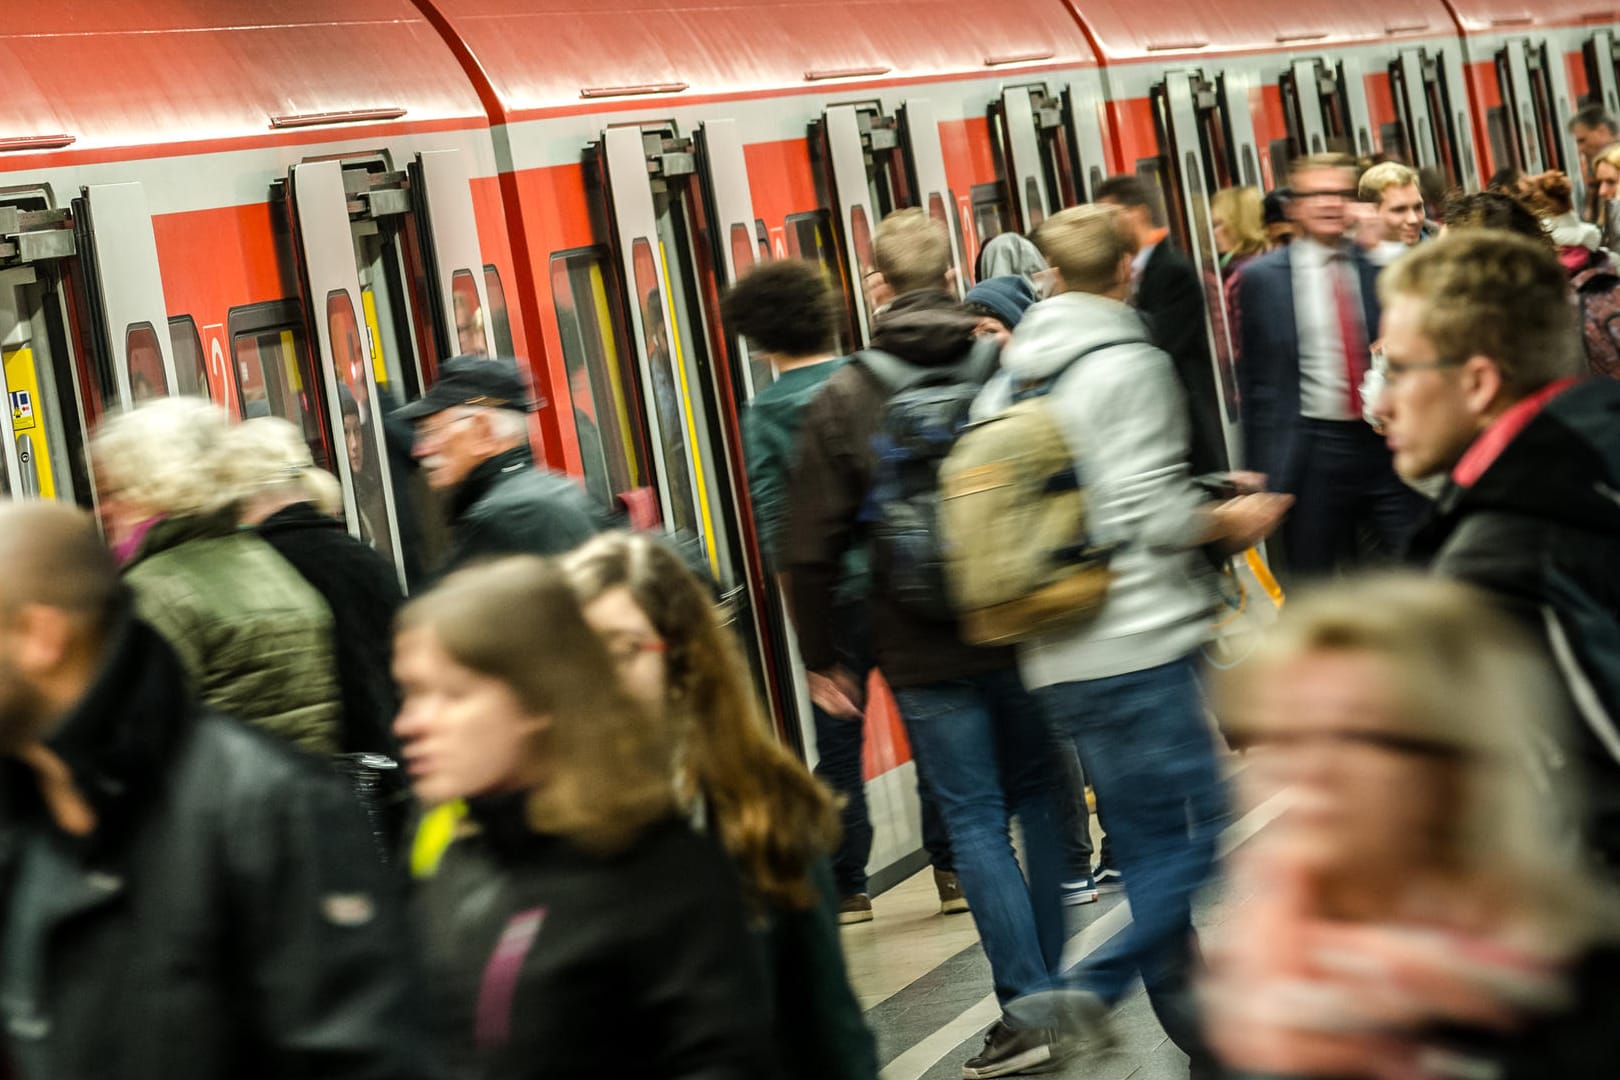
(428, 432)
(1394, 369)
(1389, 742)
(1333, 193)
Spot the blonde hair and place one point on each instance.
(167, 455)
(1085, 245)
(772, 816)
(1243, 209)
(912, 251)
(1462, 678)
(1383, 176)
(268, 454)
(605, 764)
(1609, 157)
(1487, 292)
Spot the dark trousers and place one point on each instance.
(840, 749)
(1348, 502)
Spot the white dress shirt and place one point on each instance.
(1324, 383)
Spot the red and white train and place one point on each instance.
(300, 211)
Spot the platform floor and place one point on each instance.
(925, 984)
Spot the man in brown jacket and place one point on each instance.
(964, 707)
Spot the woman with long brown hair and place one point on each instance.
(775, 820)
(577, 926)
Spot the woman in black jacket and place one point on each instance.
(576, 926)
(740, 785)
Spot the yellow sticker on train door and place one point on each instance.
(28, 422)
(379, 363)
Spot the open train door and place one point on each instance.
(1316, 106)
(1600, 71)
(53, 400)
(1431, 102)
(441, 189)
(319, 209)
(925, 166)
(1535, 93)
(1083, 105)
(1193, 133)
(659, 216)
(848, 139)
(129, 318)
(1037, 181)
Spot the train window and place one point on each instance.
(742, 256)
(861, 230)
(469, 314)
(146, 378)
(500, 325)
(991, 217)
(273, 371)
(601, 402)
(764, 236)
(1281, 153)
(810, 237)
(1504, 147)
(669, 402)
(190, 369)
(361, 442)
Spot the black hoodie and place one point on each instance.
(830, 480)
(1539, 528)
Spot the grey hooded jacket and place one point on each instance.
(1121, 409)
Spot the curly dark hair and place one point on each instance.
(1495, 210)
(784, 307)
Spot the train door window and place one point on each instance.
(469, 309)
(991, 216)
(146, 378)
(1036, 152)
(1314, 109)
(190, 367)
(601, 399)
(763, 235)
(354, 405)
(274, 372)
(1420, 84)
(1282, 153)
(667, 371)
(810, 237)
(500, 323)
(742, 257)
(1598, 54)
(1504, 147)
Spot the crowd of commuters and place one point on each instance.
(223, 723)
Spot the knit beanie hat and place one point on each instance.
(1007, 297)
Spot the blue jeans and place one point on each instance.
(840, 747)
(1150, 757)
(989, 755)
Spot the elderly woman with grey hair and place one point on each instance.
(254, 637)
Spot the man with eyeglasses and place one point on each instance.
(472, 439)
(1482, 355)
(1306, 314)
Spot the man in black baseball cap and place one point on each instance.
(472, 439)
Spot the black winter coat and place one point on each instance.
(508, 506)
(1171, 298)
(227, 917)
(550, 961)
(361, 588)
(1540, 530)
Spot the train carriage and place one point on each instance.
(300, 214)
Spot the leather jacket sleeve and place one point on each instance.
(327, 968)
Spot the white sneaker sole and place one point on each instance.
(1076, 898)
(850, 918)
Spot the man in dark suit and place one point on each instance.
(1169, 293)
(1306, 314)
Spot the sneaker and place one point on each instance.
(951, 900)
(1080, 891)
(1014, 1051)
(1108, 879)
(855, 908)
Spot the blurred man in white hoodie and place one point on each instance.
(1124, 685)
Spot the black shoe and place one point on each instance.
(1108, 879)
(1014, 1052)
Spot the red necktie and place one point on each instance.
(1351, 334)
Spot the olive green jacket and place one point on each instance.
(254, 637)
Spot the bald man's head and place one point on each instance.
(58, 596)
(55, 557)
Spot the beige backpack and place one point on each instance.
(1012, 519)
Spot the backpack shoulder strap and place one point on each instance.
(891, 372)
(1041, 387)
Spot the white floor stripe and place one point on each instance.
(915, 1062)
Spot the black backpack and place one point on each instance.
(927, 409)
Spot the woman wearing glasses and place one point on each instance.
(1418, 910)
(577, 926)
(737, 783)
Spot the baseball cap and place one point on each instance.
(475, 381)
